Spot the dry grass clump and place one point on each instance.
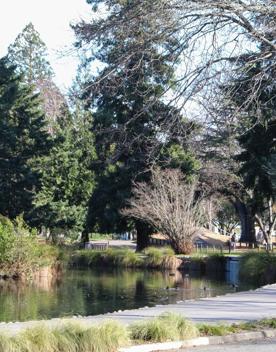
(163, 258)
(7, 344)
(107, 337)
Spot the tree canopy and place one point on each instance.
(23, 138)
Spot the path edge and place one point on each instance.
(202, 341)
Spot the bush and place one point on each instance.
(166, 327)
(259, 268)
(20, 251)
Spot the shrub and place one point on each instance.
(166, 327)
(259, 268)
(20, 251)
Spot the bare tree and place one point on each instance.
(206, 37)
(170, 205)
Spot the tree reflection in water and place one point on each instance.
(91, 292)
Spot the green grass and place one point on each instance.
(100, 236)
(167, 327)
(155, 258)
(223, 329)
(109, 257)
(217, 330)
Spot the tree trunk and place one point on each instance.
(247, 221)
(84, 237)
(143, 231)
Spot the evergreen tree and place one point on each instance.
(67, 180)
(23, 138)
(257, 137)
(133, 125)
(30, 55)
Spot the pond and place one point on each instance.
(91, 292)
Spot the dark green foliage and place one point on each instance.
(67, 180)
(134, 127)
(259, 146)
(259, 268)
(257, 139)
(23, 139)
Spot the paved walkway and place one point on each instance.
(267, 345)
(235, 307)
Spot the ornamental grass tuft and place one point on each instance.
(166, 327)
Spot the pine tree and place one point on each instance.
(30, 55)
(23, 138)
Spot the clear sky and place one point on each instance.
(51, 18)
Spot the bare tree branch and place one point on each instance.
(170, 205)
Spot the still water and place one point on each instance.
(91, 292)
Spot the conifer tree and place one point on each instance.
(23, 138)
(67, 180)
(30, 55)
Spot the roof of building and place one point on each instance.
(204, 235)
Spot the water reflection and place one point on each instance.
(97, 291)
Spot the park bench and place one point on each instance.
(101, 246)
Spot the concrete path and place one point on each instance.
(235, 307)
(267, 345)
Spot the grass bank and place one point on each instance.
(259, 268)
(213, 262)
(154, 258)
(107, 337)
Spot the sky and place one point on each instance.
(51, 18)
